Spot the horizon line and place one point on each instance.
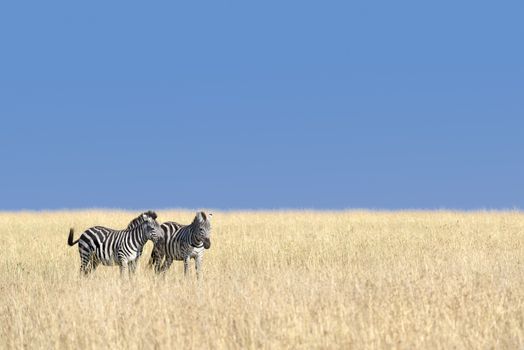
(283, 209)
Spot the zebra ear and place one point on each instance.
(201, 216)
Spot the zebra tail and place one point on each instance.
(70, 238)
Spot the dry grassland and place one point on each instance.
(412, 280)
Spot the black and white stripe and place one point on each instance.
(159, 250)
(182, 242)
(116, 247)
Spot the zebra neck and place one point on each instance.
(136, 223)
(140, 236)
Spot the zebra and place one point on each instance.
(159, 249)
(158, 253)
(182, 242)
(100, 244)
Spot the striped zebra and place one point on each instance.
(116, 247)
(158, 253)
(182, 242)
(159, 250)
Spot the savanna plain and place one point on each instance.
(281, 279)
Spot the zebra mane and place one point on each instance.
(139, 220)
(151, 214)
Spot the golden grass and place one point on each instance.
(294, 279)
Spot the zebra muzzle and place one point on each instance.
(207, 243)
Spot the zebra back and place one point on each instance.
(138, 221)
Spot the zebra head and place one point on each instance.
(202, 228)
(152, 229)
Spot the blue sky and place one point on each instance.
(262, 105)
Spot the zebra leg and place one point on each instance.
(94, 264)
(157, 256)
(198, 266)
(167, 264)
(123, 267)
(153, 260)
(162, 260)
(85, 254)
(186, 265)
(158, 265)
(132, 267)
(84, 269)
(84, 264)
(160, 257)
